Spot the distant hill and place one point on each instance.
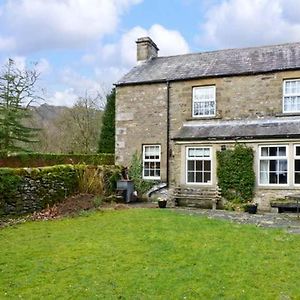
(65, 129)
(45, 113)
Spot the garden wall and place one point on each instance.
(27, 160)
(31, 189)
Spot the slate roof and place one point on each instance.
(216, 63)
(242, 129)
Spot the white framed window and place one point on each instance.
(297, 164)
(151, 162)
(198, 165)
(273, 165)
(291, 95)
(204, 101)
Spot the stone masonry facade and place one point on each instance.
(141, 119)
(141, 116)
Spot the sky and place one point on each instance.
(84, 46)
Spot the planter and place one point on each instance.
(251, 208)
(162, 203)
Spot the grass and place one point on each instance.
(147, 254)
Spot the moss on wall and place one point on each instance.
(25, 160)
(24, 190)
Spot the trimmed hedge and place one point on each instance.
(31, 189)
(31, 160)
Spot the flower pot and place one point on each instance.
(251, 208)
(162, 203)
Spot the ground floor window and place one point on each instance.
(151, 162)
(273, 165)
(297, 164)
(198, 165)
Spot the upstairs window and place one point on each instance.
(151, 162)
(291, 96)
(204, 101)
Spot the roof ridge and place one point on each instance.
(216, 63)
(227, 49)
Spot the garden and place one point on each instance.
(147, 254)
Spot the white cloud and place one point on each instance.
(6, 43)
(19, 62)
(115, 59)
(111, 61)
(46, 24)
(234, 23)
(170, 42)
(63, 98)
(43, 66)
(69, 85)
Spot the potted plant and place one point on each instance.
(162, 203)
(251, 208)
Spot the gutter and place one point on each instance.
(200, 77)
(236, 138)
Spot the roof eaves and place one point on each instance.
(223, 138)
(124, 83)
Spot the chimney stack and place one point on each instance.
(146, 49)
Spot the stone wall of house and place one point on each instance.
(263, 194)
(141, 118)
(237, 97)
(141, 114)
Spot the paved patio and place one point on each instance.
(286, 221)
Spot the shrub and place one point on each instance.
(31, 160)
(135, 174)
(235, 173)
(98, 180)
(107, 135)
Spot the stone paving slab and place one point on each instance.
(288, 222)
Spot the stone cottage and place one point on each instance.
(178, 111)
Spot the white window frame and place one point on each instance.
(260, 157)
(187, 158)
(193, 102)
(151, 160)
(284, 95)
(295, 157)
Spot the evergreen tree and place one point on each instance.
(107, 135)
(16, 94)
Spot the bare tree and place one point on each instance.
(73, 130)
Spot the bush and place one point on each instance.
(31, 160)
(100, 180)
(27, 190)
(135, 174)
(235, 173)
(107, 135)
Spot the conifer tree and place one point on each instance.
(107, 135)
(17, 92)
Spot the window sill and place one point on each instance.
(295, 114)
(276, 187)
(204, 118)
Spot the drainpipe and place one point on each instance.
(168, 132)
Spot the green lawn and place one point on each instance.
(147, 254)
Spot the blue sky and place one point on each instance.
(86, 45)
